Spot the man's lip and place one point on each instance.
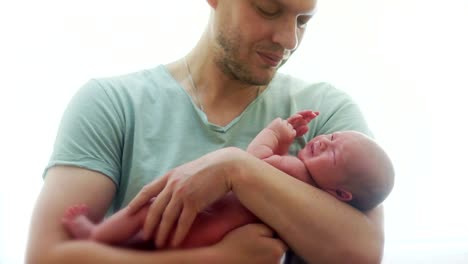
(271, 58)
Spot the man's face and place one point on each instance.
(253, 38)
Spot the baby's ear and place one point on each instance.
(341, 194)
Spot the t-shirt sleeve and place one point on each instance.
(90, 134)
(338, 111)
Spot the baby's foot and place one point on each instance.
(77, 223)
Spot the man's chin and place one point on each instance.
(265, 78)
(261, 82)
(282, 63)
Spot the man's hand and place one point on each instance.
(182, 193)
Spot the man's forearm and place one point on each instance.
(314, 224)
(89, 252)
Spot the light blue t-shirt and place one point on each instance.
(136, 127)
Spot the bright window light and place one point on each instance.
(404, 61)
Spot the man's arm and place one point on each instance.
(291, 165)
(48, 241)
(315, 225)
(66, 186)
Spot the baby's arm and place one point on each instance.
(278, 136)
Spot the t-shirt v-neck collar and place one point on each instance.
(202, 115)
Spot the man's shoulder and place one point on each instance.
(338, 110)
(140, 78)
(146, 84)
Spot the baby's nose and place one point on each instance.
(320, 145)
(323, 145)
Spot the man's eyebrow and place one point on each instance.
(307, 13)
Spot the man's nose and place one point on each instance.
(286, 33)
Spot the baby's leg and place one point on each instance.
(77, 223)
(120, 228)
(212, 225)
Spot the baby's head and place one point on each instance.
(350, 166)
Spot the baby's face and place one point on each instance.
(327, 157)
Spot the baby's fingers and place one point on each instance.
(296, 121)
(308, 115)
(300, 131)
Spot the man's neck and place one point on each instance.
(221, 97)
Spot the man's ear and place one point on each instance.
(213, 3)
(341, 194)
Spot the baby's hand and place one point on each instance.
(300, 120)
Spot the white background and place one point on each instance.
(404, 61)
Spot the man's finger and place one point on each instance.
(146, 194)
(171, 213)
(183, 226)
(154, 214)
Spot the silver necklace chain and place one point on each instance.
(194, 87)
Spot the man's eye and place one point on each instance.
(267, 13)
(302, 21)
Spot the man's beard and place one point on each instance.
(227, 60)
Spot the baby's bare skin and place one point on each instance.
(123, 229)
(210, 226)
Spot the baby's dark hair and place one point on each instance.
(370, 186)
(372, 193)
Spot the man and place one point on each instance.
(179, 130)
